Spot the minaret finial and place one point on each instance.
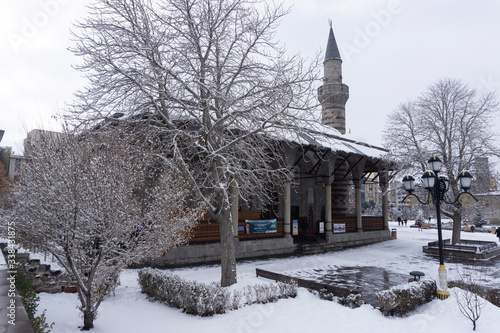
(330, 22)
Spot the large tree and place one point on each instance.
(91, 202)
(449, 120)
(208, 77)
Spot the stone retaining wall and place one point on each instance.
(265, 248)
(210, 253)
(44, 278)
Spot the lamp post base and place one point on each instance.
(442, 292)
(442, 295)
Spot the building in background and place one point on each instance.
(11, 162)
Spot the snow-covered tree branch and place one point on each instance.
(449, 120)
(98, 203)
(210, 80)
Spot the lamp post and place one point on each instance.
(437, 187)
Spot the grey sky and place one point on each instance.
(391, 51)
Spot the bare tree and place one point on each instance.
(87, 201)
(449, 120)
(208, 78)
(468, 292)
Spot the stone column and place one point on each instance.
(287, 209)
(328, 208)
(235, 201)
(384, 186)
(385, 208)
(357, 192)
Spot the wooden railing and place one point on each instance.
(205, 232)
(208, 231)
(370, 223)
(350, 222)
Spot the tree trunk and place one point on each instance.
(88, 314)
(227, 250)
(457, 228)
(88, 320)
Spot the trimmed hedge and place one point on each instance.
(207, 299)
(402, 299)
(491, 295)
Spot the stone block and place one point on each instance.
(44, 268)
(34, 262)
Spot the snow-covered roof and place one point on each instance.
(315, 134)
(307, 132)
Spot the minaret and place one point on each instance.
(333, 94)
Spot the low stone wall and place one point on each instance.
(359, 238)
(265, 248)
(210, 253)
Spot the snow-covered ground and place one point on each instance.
(130, 311)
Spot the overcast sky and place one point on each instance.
(391, 50)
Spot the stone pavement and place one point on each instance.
(13, 317)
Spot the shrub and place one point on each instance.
(402, 299)
(493, 296)
(469, 286)
(207, 299)
(326, 295)
(30, 301)
(352, 301)
(28, 296)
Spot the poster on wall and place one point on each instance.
(261, 226)
(295, 227)
(321, 227)
(338, 228)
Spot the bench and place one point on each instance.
(416, 276)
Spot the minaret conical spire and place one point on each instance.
(333, 94)
(332, 51)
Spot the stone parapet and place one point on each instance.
(359, 238)
(265, 248)
(210, 253)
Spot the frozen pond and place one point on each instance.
(366, 280)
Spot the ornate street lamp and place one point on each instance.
(437, 187)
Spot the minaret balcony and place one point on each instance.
(333, 93)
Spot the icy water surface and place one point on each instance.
(367, 280)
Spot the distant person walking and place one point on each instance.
(419, 225)
(399, 220)
(406, 221)
(498, 233)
